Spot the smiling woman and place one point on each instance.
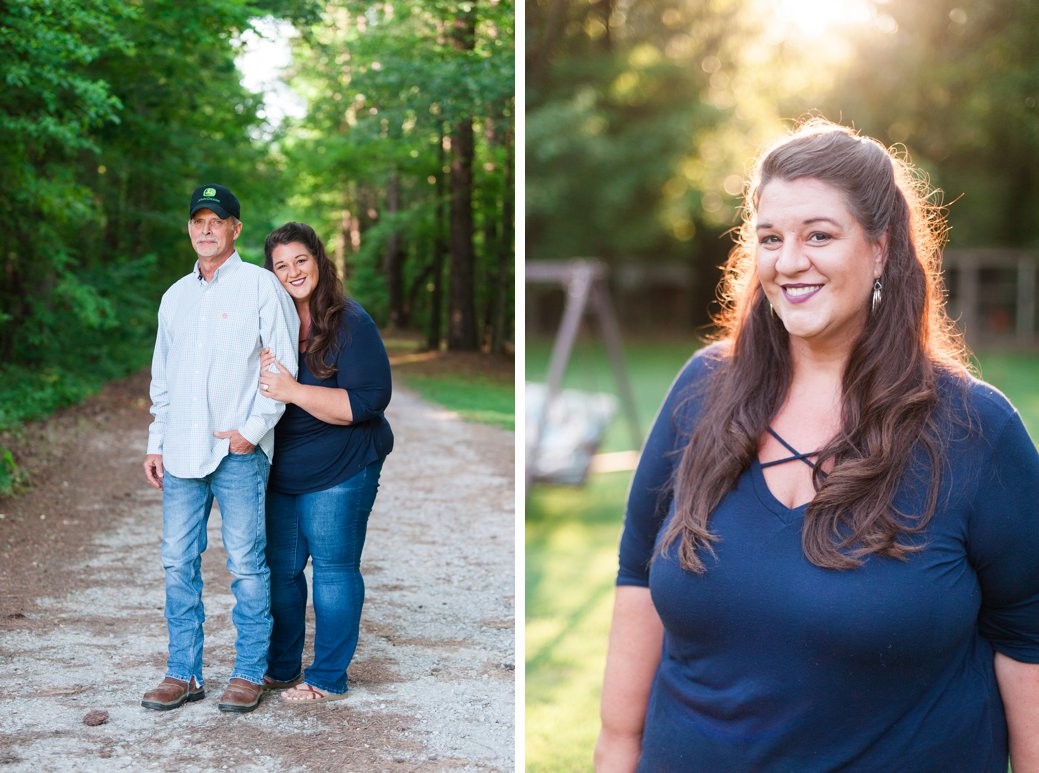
(830, 488)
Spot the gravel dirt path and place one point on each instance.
(82, 634)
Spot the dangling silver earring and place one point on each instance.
(877, 287)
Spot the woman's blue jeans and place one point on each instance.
(329, 528)
(239, 486)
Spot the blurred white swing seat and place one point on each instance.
(564, 427)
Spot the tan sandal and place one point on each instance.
(313, 694)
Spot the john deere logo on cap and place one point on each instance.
(209, 192)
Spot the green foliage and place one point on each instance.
(111, 115)
(49, 102)
(626, 127)
(12, 477)
(642, 119)
(367, 282)
(28, 394)
(186, 120)
(102, 331)
(385, 85)
(49, 106)
(112, 112)
(969, 113)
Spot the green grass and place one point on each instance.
(479, 399)
(1017, 375)
(653, 364)
(478, 387)
(572, 535)
(571, 561)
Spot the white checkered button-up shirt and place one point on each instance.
(206, 364)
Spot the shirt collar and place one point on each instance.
(228, 266)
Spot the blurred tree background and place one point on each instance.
(113, 111)
(642, 119)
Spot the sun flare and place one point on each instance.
(817, 18)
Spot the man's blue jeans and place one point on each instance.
(239, 486)
(329, 527)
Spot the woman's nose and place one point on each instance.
(792, 257)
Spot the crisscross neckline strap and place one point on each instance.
(797, 455)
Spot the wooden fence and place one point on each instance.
(992, 295)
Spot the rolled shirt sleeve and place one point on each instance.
(364, 369)
(1004, 543)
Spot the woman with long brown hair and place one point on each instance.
(329, 451)
(829, 553)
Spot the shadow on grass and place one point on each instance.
(572, 535)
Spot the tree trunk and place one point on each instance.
(394, 262)
(436, 299)
(492, 228)
(506, 246)
(462, 323)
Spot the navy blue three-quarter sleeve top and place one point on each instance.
(312, 455)
(771, 663)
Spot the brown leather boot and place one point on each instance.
(241, 696)
(172, 693)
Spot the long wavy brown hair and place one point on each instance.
(327, 302)
(889, 389)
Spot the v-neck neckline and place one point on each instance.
(769, 500)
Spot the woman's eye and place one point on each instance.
(769, 240)
(819, 237)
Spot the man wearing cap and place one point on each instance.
(213, 438)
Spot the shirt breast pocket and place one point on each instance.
(236, 333)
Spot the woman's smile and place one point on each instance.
(800, 293)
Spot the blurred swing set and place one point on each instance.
(564, 427)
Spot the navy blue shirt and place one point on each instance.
(771, 663)
(312, 455)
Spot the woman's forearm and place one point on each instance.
(329, 404)
(1019, 688)
(636, 634)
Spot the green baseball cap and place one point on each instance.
(217, 198)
